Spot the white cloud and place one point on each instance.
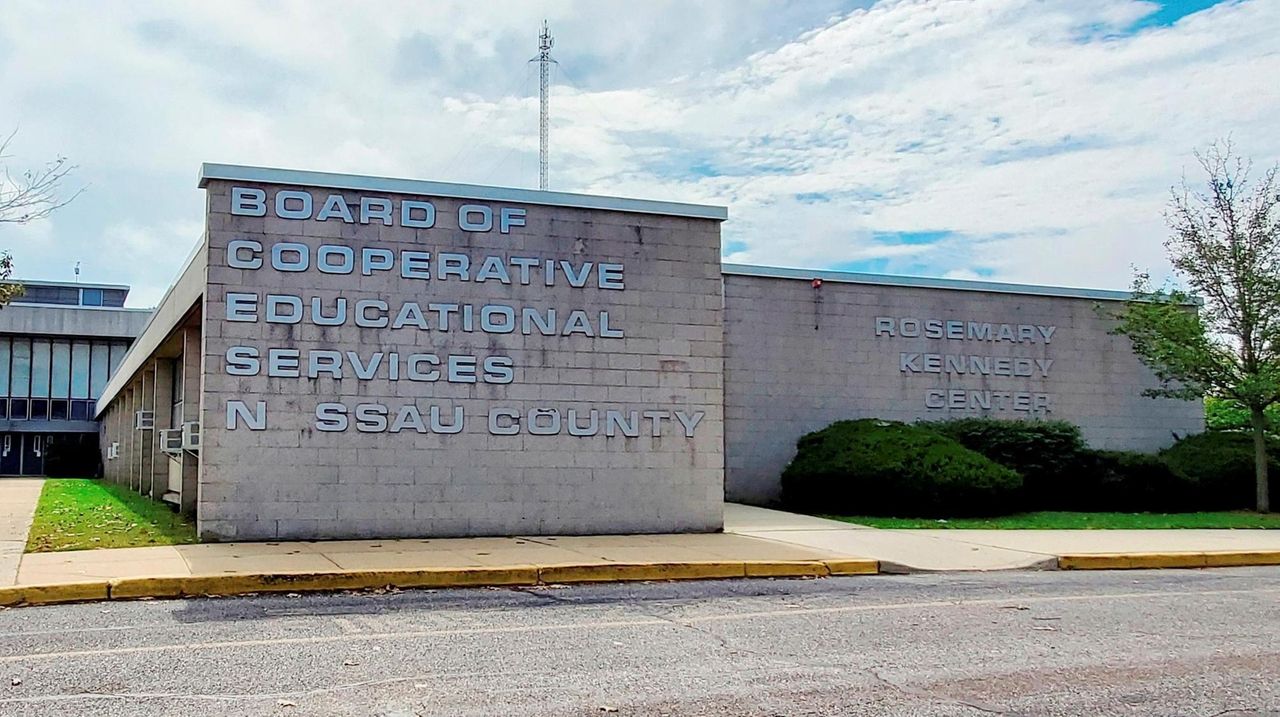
(1040, 137)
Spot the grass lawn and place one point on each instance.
(81, 514)
(1079, 521)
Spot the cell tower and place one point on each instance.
(545, 43)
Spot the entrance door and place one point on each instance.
(33, 454)
(10, 454)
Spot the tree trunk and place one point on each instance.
(1259, 421)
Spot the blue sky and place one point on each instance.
(1018, 140)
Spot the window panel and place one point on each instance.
(101, 364)
(80, 410)
(91, 297)
(60, 370)
(113, 297)
(175, 388)
(4, 367)
(62, 295)
(79, 370)
(176, 392)
(117, 355)
(41, 356)
(20, 374)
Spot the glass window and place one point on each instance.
(60, 370)
(40, 360)
(79, 370)
(175, 390)
(20, 374)
(4, 408)
(91, 297)
(58, 409)
(4, 367)
(39, 409)
(101, 365)
(176, 410)
(117, 355)
(80, 410)
(18, 409)
(62, 295)
(113, 297)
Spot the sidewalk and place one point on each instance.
(898, 550)
(18, 497)
(930, 550)
(545, 553)
(757, 543)
(237, 568)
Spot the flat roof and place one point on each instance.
(61, 284)
(297, 177)
(853, 277)
(183, 293)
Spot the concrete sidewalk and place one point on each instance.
(757, 543)
(986, 549)
(18, 498)
(898, 550)
(716, 553)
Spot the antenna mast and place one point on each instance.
(545, 43)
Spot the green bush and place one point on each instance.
(1130, 482)
(1220, 463)
(1049, 455)
(873, 467)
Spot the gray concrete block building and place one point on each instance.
(806, 348)
(59, 342)
(349, 356)
(372, 357)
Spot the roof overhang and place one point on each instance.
(185, 293)
(920, 282)
(355, 182)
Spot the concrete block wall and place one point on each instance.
(292, 480)
(798, 358)
(142, 465)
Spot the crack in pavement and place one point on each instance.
(932, 696)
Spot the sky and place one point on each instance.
(1030, 141)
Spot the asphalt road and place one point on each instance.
(1062, 643)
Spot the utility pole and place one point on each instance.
(545, 43)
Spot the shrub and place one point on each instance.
(1220, 463)
(1130, 482)
(873, 467)
(1049, 455)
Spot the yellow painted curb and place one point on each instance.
(162, 587)
(618, 572)
(1241, 558)
(510, 575)
(1130, 561)
(239, 584)
(853, 567)
(785, 569)
(1136, 561)
(54, 593)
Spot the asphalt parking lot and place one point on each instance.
(1104, 643)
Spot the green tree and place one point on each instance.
(1225, 414)
(1225, 246)
(8, 290)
